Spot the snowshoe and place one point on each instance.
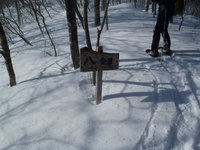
(166, 51)
(152, 53)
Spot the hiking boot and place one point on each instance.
(167, 51)
(166, 46)
(153, 53)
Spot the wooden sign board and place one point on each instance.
(93, 61)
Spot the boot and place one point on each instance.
(166, 49)
(153, 53)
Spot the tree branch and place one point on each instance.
(102, 24)
(79, 16)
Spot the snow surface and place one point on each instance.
(147, 104)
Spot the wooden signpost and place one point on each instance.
(98, 61)
(94, 61)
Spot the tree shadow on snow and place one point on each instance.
(191, 56)
(160, 93)
(168, 95)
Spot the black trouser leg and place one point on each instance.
(161, 28)
(166, 37)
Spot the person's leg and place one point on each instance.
(158, 30)
(165, 34)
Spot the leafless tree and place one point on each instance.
(11, 24)
(5, 52)
(72, 29)
(146, 5)
(97, 20)
(87, 34)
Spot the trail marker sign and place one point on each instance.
(94, 61)
(97, 61)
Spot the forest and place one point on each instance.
(15, 13)
(48, 102)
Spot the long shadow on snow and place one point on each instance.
(164, 94)
(167, 95)
(191, 56)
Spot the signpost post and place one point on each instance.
(98, 77)
(98, 61)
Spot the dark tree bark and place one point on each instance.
(72, 29)
(6, 54)
(135, 2)
(18, 12)
(97, 13)
(103, 5)
(46, 28)
(102, 24)
(146, 5)
(87, 33)
(154, 8)
(79, 15)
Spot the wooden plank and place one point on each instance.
(99, 76)
(94, 61)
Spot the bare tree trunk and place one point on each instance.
(12, 25)
(46, 28)
(87, 34)
(72, 29)
(18, 12)
(79, 16)
(36, 15)
(99, 35)
(6, 54)
(81, 2)
(182, 19)
(102, 24)
(146, 5)
(107, 27)
(49, 35)
(97, 13)
(103, 5)
(135, 2)
(154, 8)
(62, 4)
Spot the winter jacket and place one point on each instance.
(165, 2)
(168, 4)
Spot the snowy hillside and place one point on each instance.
(147, 104)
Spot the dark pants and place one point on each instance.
(164, 16)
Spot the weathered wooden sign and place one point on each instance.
(97, 61)
(94, 61)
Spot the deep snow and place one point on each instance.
(147, 104)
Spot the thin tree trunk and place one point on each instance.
(36, 15)
(102, 24)
(182, 19)
(79, 16)
(103, 5)
(135, 2)
(6, 54)
(18, 12)
(97, 13)
(146, 5)
(72, 29)
(87, 34)
(99, 35)
(154, 8)
(49, 35)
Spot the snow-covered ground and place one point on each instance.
(147, 104)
